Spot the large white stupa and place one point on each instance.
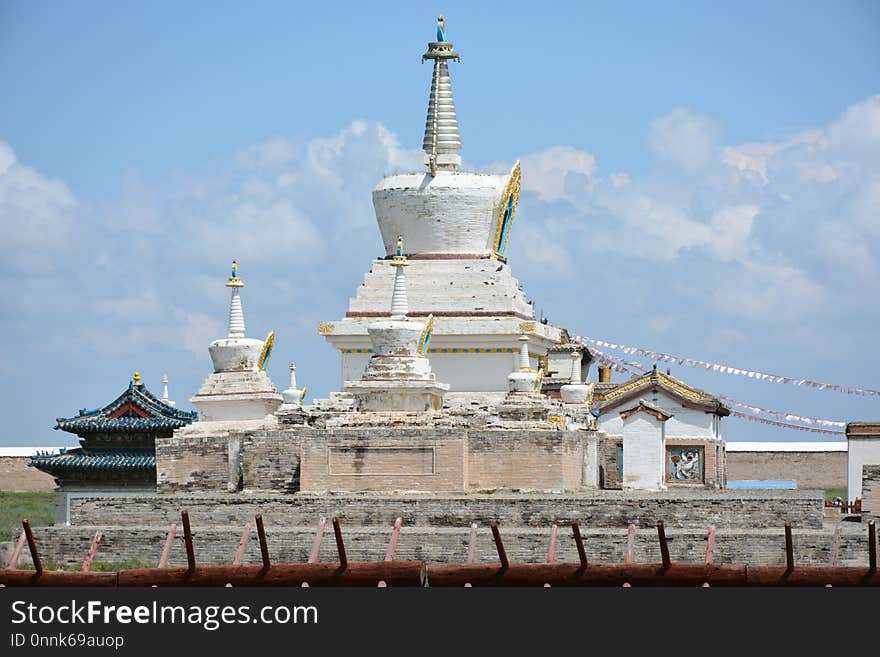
(456, 227)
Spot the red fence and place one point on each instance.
(417, 573)
(845, 507)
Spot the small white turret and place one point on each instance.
(165, 399)
(293, 396)
(525, 379)
(239, 388)
(397, 377)
(576, 392)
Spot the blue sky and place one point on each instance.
(699, 178)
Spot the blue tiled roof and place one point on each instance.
(122, 459)
(162, 416)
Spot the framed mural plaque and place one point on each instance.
(684, 465)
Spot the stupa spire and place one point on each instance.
(236, 314)
(399, 302)
(442, 141)
(524, 361)
(575, 367)
(165, 399)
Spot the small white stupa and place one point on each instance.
(576, 391)
(293, 396)
(525, 379)
(398, 376)
(239, 389)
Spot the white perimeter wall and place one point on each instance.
(862, 451)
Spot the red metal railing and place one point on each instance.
(854, 506)
(414, 573)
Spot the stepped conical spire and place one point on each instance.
(236, 314)
(575, 367)
(399, 302)
(524, 361)
(442, 141)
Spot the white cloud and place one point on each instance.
(37, 215)
(685, 139)
(779, 227)
(198, 331)
(730, 229)
(771, 292)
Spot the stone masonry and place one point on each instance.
(871, 490)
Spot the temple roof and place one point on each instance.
(136, 410)
(116, 459)
(609, 398)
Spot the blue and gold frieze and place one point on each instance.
(446, 350)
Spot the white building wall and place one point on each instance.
(644, 452)
(861, 451)
(685, 422)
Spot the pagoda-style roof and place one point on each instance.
(607, 398)
(128, 460)
(135, 411)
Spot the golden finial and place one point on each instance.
(137, 378)
(234, 280)
(399, 259)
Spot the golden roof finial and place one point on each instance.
(137, 378)
(234, 280)
(399, 258)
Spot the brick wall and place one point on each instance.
(811, 469)
(270, 460)
(526, 460)
(609, 462)
(679, 508)
(871, 490)
(376, 460)
(217, 545)
(192, 463)
(439, 460)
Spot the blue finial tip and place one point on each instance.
(441, 28)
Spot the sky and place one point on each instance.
(699, 179)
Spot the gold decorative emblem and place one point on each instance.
(557, 420)
(527, 327)
(425, 339)
(325, 328)
(506, 211)
(539, 381)
(266, 353)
